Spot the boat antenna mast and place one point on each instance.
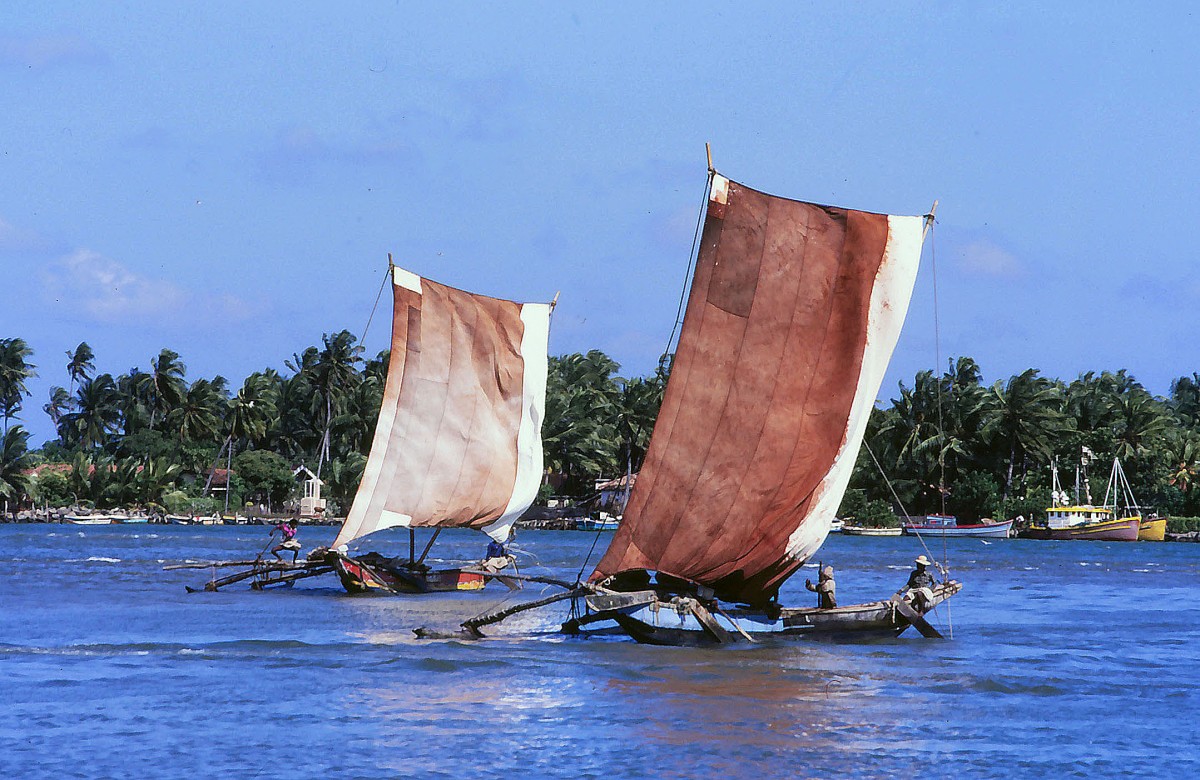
(1085, 457)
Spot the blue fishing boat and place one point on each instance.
(948, 525)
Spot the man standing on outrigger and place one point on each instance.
(289, 542)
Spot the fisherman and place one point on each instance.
(497, 556)
(825, 589)
(919, 587)
(289, 540)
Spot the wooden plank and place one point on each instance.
(709, 623)
(917, 620)
(472, 626)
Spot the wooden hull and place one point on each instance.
(1123, 530)
(649, 619)
(89, 520)
(855, 530)
(1153, 529)
(987, 531)
(358, 576)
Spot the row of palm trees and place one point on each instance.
(947, 443)
(952, 443)
(322, 414)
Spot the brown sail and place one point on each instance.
(793, 314)
(458, 442)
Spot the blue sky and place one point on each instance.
(226, 179)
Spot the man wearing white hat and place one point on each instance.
(920, 584)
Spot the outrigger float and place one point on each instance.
(792, 317)
(263, 574)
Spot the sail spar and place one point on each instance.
(458, 442)
(793, 314)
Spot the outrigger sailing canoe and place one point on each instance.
(793, 314)
(458, 442)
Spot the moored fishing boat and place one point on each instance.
(792, 317)
(948, 525)
(1123, 529)
(96, 519)
(1075, 521)
(871, 530)
(602, 522)
(458, 442)
(1152, 529)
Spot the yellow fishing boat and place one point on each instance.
(1152, 529)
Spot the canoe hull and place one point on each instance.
(1123, 530)
(651, 620)
(360, 576)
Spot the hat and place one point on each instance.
(921, 559)
(827, 571)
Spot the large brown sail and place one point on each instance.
(458, 442)
(793, 314)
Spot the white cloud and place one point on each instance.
(15, 239)
(986, 259)
(107, 291)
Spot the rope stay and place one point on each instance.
(378, 295)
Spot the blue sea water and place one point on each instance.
(1068, 659)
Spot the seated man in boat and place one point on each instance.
(919, 587)
(288, 541)
(825, 589)
(496, 557)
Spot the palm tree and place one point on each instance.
(80, 363)
(247, 417)
(59, 405)
(96, 412)
(166, 384)
(154, 479)
(14, 460)
(135, 391)
(334, 376)
(197, 416)
(1026, 420)
(15, 371)
(1185, 398)
(1143, 421)
(580, 430)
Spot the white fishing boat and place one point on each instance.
(96, 519)
(602, 522)
(871, 530)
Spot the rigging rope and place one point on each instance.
(691, 261)
(937, 362)
(378, 295)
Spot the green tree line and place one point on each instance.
(948, 442)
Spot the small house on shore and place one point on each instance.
(311, 503)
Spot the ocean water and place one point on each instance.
(1068, 659)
